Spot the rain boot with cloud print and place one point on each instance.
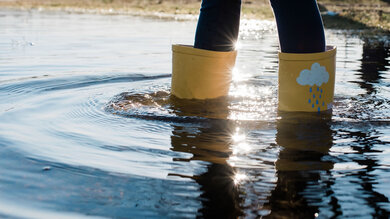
(306, 81)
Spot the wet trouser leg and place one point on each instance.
(218, 25)
(300, 26)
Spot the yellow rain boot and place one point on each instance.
(199, 73)
(306, 80)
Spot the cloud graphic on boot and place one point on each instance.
(316, 76)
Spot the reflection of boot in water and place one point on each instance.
(211, 108)
(374, 62)
(220, 195)
(305, 139)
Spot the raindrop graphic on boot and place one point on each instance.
(314, 77)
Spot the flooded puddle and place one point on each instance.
(88, 128)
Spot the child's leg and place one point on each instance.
(218, 25)
(205, 72)
(300, 26)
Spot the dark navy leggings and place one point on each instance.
(299, 24)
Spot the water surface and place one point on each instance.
(88, 129)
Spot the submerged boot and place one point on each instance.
(306, 80)
(199, 73)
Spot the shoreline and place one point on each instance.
(106, 11)
(374, 16)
